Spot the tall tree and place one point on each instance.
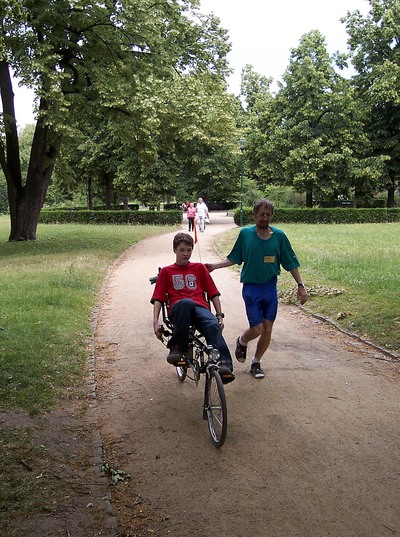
(79, 54)
(375, 45)
(312, 130)
(177, 137)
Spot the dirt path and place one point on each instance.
(312, 450)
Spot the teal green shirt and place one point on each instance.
(262, 259)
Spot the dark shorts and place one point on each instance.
(261, 301)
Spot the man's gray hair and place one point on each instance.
(263, 203)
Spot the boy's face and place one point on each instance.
(183, 253)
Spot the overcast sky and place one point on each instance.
(262, 33)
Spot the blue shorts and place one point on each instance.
(261, 301)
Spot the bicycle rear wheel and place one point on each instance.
(215, 408)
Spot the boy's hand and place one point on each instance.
(158, 330)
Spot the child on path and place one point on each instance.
(186, 285)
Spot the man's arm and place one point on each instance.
(221, 264)
(301, 291)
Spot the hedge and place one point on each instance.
(153, 218)
(171, 218)
(325, 216)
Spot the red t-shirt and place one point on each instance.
(193, 280)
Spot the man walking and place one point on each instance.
(262, 249)
(202, 213)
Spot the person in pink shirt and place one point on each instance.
(191, 215)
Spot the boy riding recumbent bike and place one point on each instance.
(200, 359)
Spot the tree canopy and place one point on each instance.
(84, 59)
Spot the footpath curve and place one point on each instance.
(312, 450)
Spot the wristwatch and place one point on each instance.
(300, 284)
(222, 315)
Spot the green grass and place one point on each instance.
(48, 289)
(352, 275)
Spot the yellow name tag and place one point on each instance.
(269, 259)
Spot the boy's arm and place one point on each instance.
(157, 327)
(218, 311)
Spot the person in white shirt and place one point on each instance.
(202, 213)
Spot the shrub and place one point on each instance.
(153, 218)
(325, 216)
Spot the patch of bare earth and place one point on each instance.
(66, 475)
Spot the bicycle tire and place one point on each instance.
(216, 409)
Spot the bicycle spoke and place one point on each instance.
(216, 409)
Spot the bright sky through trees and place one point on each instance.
(262, 33)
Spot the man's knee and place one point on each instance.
(267, 327)
(257, 330)
(261, 329)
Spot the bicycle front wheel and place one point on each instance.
(215, 407)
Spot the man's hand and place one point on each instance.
(209, 266)
(302, 295)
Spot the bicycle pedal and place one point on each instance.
(181, 363)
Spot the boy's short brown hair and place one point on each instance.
(183, 237)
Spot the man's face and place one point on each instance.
(183, 253)
(263, 217)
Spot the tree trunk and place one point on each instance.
(25, 200)
(109, 187)
(309, 199)
(26, 203)
(89, 198)
(390, 203)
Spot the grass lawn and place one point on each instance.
(351, 273)
(48, 289)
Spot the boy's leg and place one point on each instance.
(208, 325)
(181, 314)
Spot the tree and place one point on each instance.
(375, 44)
(176, 138)
(311, 133)
(80, 56)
